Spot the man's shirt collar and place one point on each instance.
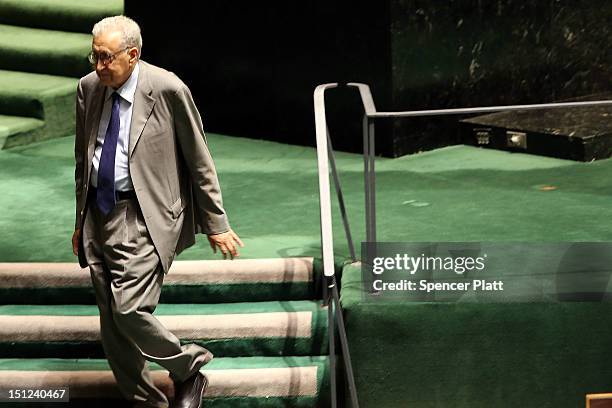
(128, 89)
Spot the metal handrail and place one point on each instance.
(325, 156)
(327, 239)
(371, 114)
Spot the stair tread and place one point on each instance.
(44, 51)
(43, 41)
(188, 281)
(26, 84)
(69, 274)
(74, 15)
(9, 125)
(72, 6)
(80, 324)
(250, 377)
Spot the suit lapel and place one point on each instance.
(143, 106)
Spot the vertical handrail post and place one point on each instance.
(343, 212)
(366, 173)
(372, 180)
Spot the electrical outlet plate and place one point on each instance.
(516, 139)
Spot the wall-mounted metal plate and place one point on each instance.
(483, 135)
(516, 139)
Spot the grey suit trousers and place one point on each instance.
(127, 278)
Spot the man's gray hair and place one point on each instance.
(129, 29)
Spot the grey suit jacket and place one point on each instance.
(173, 174)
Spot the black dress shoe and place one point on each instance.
(189, 393)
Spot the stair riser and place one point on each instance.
(57, 112)
(255, 292)
(48, 63)
(21, 138)
(19, 105)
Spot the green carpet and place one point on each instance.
(435, 355)
(453, 194)
(462, 354)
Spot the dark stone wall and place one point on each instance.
(466, 53)
(252, 67)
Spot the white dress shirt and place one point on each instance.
(126, 102)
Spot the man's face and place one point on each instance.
(115, 72)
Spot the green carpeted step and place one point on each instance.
(229, 329)
(47, 97)
(210, 281)
(233, 382)
(27, 94)
(65, 15)
(467, 354)
(16, 127)
(44, 51)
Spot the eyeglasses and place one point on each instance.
(104, 57)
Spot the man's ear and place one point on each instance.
(133, 52)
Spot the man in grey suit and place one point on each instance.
(145, 185)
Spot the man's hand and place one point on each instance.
(227, 242)
(75, 241)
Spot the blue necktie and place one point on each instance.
(105, 197)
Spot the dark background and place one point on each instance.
(252, 67)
